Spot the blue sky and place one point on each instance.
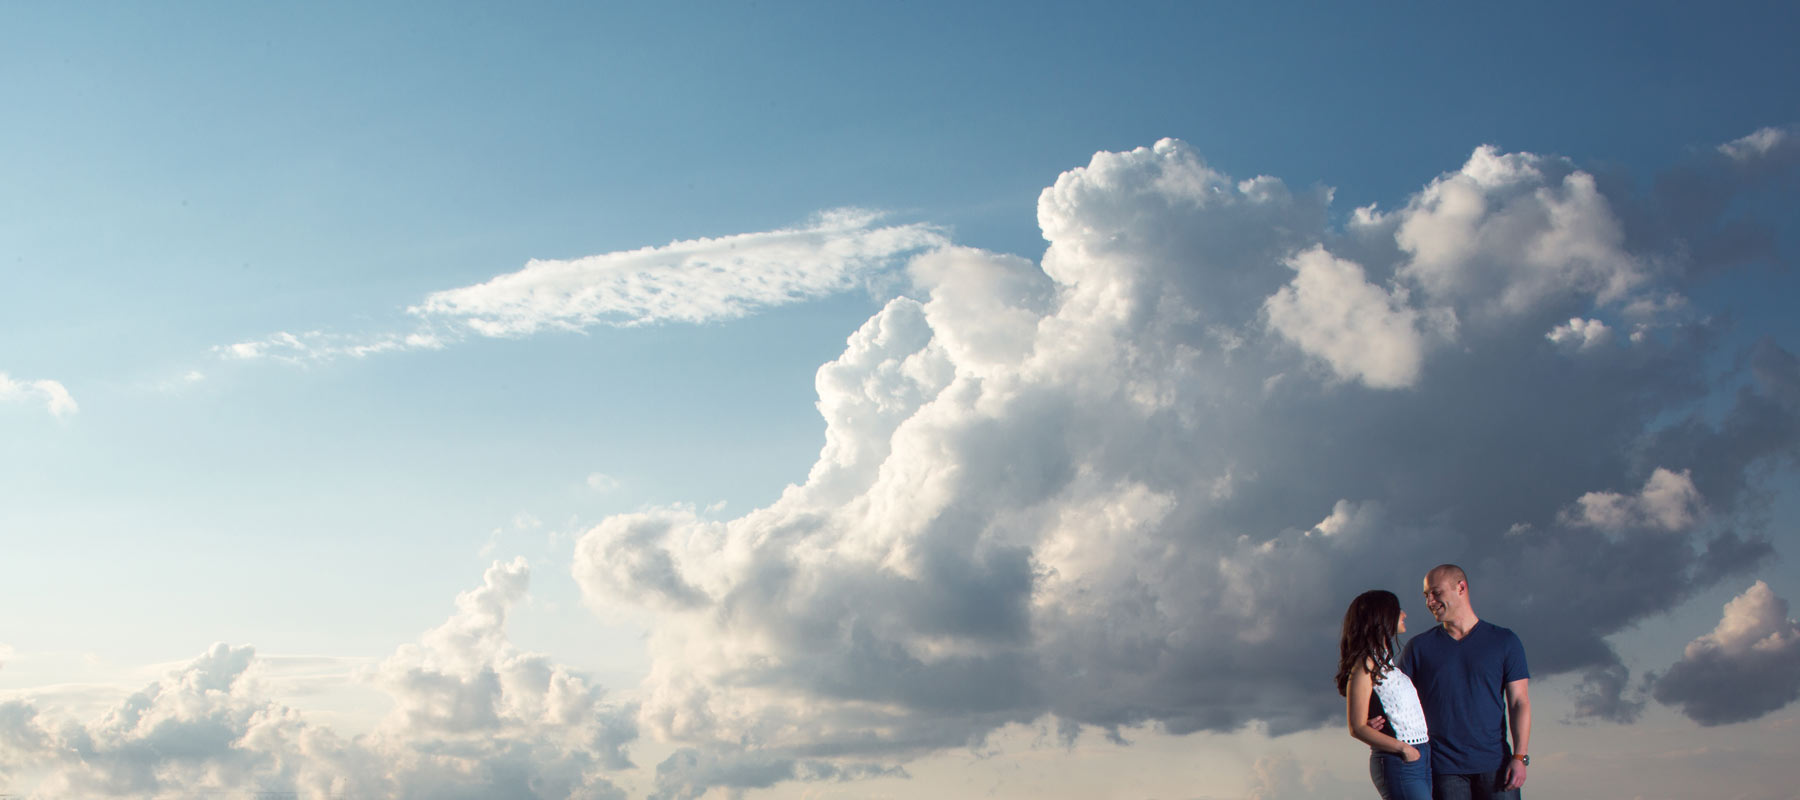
(631, 242)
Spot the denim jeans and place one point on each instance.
(1480, 786)
(1397, 780)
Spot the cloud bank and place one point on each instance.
(1135, 483)
(473, 717)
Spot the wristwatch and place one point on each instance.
(1523, 758)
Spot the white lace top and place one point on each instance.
(1400, 701)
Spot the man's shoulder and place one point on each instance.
(1497, 630)
(1498, 633)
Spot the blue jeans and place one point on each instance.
(1397, 780)
(1480, 786)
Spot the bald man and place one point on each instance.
(1474, 686)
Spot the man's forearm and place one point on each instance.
(1519, 716)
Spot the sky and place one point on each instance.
(840, 400)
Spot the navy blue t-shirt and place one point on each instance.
(1462, 687)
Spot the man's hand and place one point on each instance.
(1379, 723)
(1515, 774)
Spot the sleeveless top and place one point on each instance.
(1400, 701)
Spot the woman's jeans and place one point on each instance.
(1397, 780)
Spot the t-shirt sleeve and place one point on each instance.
(1515, 668)
(1406, 657)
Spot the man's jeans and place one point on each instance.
(1472, 787)
(1397, 780)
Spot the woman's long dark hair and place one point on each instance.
(1370, 626)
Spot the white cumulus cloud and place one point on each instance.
(1512, 233)
(1364, 332)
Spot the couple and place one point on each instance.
(1448, 737)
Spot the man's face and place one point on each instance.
(1443, 596)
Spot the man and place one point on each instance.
(1473, 685)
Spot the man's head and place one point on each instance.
(1446, 592)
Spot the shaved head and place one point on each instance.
(1450, 572)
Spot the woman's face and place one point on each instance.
(1400, 627)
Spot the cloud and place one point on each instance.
(601, 482)
(1362, 331)
(624, 559)
(1580, 334)
(687, 281)
(54, 397)
(689, 773)
(1512, 233)
(1716, 212)
(1604, 694)
(1745, 668)
(473, 717)
(1282, 776)
(1113, 488)
(1764, 145)
(697, 280)
(322, 346)
(1667, 502)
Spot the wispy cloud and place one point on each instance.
(688, 281)
(320, 346)
(52, 395)
(1760, 144)
(696, 280)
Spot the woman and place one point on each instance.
(1400, 765)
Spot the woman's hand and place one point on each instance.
(1410, 754)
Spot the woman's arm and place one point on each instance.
(1356, 713)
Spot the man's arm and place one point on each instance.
(1518, 717)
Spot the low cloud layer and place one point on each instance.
(49, 394)
(473, 717)
(689, 281)
(1135, 483)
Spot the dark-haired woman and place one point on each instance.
(1400, 765)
